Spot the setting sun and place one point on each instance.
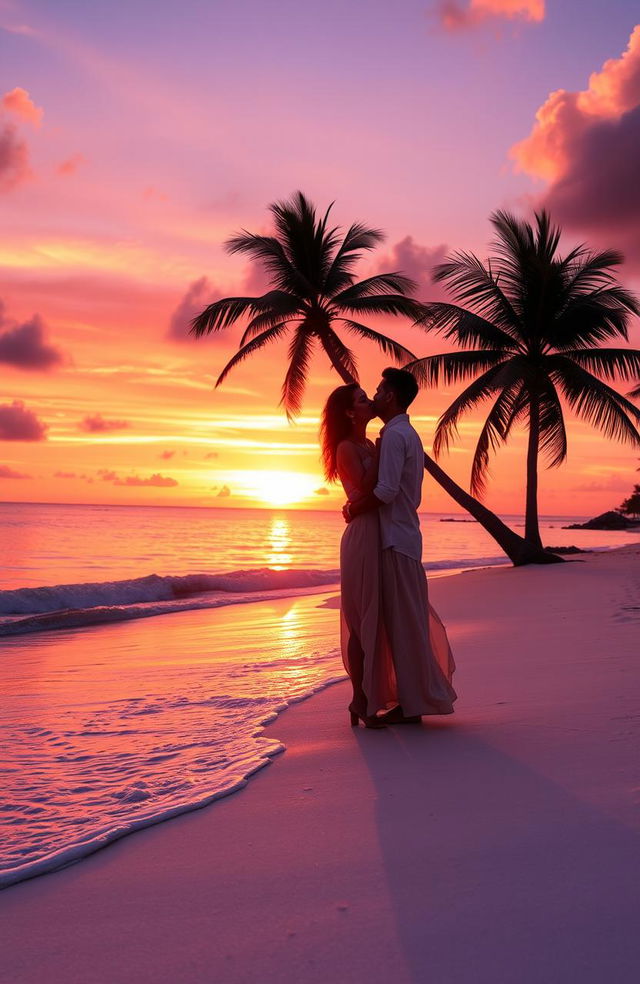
(281, 488)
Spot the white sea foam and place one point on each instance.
(48, 846)
(107, 732)
(67, 606)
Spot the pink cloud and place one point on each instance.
(6, 472)
(256, 280)
(24, 346)
(17, 423)
(69, 166)
(417, 262)
(64, 474)
(586, 145)
(166, 455)
(14, 159)
(199, 293)
(455, 16)
(19, 102)
(96, 424)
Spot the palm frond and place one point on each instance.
(270, 308)
(296, 376)
(469, 280)
(359, 239)
(221, 314)
(553, 434)
(517, 239)
(308, 242)
(609, 363)
(587, 319)
(451, 367)
(270, 252)
(594, 401)
(270, 335)
(388, 345)
(587, 271)
(262, 321)
(481, 389)
(382, 283)
(465, 327)
(383, 304)
(493, 434)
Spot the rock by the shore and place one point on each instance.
(566, 550)
(607, 521)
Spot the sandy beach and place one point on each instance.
(497, 845)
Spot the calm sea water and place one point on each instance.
(69, 544)
(109, 727)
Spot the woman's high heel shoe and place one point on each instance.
(396, 716)
(369, 722)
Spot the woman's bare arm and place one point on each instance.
(349, 464)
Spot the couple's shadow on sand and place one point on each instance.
(497, 873)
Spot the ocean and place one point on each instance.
(125, 697)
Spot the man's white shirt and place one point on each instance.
(399, 486)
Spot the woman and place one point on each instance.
(351, 457)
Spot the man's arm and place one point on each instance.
(392, 457)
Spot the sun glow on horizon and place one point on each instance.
(280, 488)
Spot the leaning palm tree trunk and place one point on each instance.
(519, 550)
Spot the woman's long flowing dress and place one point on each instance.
(366, 652)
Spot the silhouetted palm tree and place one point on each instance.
(314, 291)
(529, 338)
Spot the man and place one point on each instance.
(423, 674)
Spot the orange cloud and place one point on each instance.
(456, 17)
(19, 102)
(564, 119)
(586, 145)
(70, 165)
(96, 424)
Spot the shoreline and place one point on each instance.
(35, 622)
(450, 849)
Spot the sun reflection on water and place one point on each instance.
(279, 556)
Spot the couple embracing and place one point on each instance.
(394, 646)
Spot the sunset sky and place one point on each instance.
(135, 138)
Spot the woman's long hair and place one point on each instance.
(335, 426)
